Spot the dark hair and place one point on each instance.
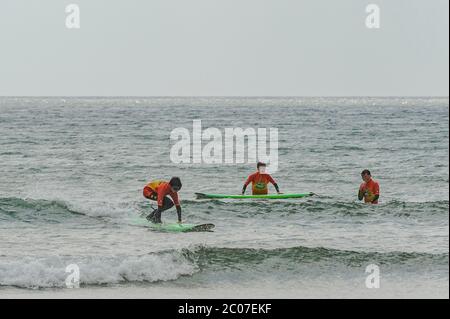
(260, 164)
(366, 172)
(175, 182)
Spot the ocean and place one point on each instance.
(73, 169)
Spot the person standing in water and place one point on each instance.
(260, 180)
(369, 190)
(159, 191)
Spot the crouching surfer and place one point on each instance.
(160, 191)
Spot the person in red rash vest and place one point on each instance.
(259, 181)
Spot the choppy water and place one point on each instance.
(72, 172)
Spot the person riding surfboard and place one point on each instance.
(159, 191)
(260, 179)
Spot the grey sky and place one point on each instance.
(224, 47)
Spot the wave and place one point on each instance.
(323, 206)
(56, 211)
(207, 256)
(346, 148)
(27, 210)
(391, 208)
(170, 265)
(59, 211)
(50, 272)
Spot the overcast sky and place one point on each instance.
(224, 48)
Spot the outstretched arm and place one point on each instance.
(276, 187)
(248, 181)
(272, 181)
(179, 213)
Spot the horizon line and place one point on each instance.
(224, 96)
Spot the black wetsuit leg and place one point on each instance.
(155, 216)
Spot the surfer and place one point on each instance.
(259, 181)
(369, 189)
(159, 191)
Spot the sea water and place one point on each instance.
(73, 169)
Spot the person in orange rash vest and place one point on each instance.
(369, 190)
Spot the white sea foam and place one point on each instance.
(49, 272)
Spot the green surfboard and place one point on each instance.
(269, 196)
(172, 227)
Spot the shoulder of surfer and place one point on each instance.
(376, 184)
(253, 175)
